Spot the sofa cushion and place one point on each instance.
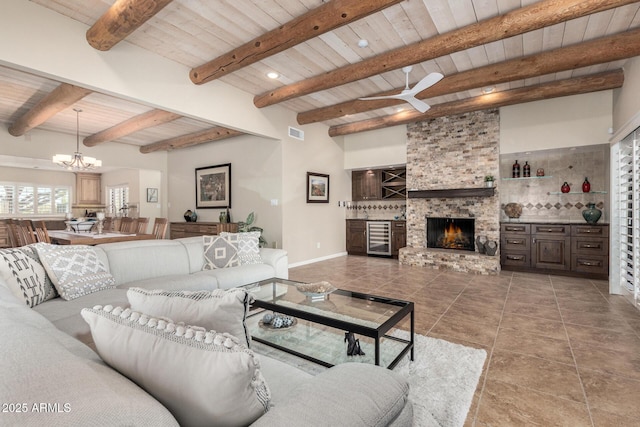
(203, 377)
(25, 276)
(41, 364)
(220, 252)
(239, 276)
(248, 246)
(357, 394)
(219, 310)
(75, 270)
(145, 259)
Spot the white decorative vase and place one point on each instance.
(488, 184)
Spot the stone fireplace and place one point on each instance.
(447, 160)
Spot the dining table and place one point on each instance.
(63, 237)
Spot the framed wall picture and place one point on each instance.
(152, 195)
(213, 186)
(317, 188)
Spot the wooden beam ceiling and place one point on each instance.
(605, 49)
(55, 101)
(320, 20)
(519, 21)
(134, 124)
(120, 20)
(207, 135)
(575, 86)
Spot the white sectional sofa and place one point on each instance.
(49, 373)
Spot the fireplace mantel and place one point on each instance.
(451, 193)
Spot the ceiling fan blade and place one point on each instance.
(427, 81)
(370, 98)
(417, 104)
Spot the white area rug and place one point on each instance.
(443, 378)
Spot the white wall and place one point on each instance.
(626, 100)
(571, 121)
(256, 179)
(378, 148)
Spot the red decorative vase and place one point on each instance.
(565, 187)
(586, 186)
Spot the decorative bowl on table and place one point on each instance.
(80, 226)
(316, 290)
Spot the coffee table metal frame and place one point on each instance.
(405, 308)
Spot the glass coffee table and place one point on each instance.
(321, 321)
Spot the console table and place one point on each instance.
(192, 229)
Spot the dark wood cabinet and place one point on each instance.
(192, 229)
(572, 249)
(551, 247)
(515, 243)
(356, 237)
(398, 237)
(366, 185)
(590, 249)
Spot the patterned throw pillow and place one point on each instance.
(25, 276)
(202, 377)
(75, 270)
(220, 310)
(220, 252)
(50, 290)
(248, 246)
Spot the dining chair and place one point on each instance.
(108, 224)
(41, 232)
(160, 227)
(12, 228)
(127, 225)
(26, 235)
(141, 227)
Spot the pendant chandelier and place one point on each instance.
(77, 162)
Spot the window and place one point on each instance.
(118, 199)
(625, 221)
(21, 199)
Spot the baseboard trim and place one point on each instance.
(314, 260)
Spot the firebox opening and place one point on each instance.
(451, 233)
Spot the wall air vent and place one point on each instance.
(296, 133)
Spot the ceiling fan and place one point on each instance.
(409, 95)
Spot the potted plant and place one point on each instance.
(245, 226)
(488, 181)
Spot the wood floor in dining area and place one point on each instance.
(560, 350)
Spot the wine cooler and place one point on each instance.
(379, 238)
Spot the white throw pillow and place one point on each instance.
(25, 276)
(75, 270)
(219, 310)
(248, 246)
(202, 377)
(220, 252)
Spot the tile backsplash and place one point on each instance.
(541, 198)
(377, 209)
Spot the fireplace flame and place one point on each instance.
(452, 236)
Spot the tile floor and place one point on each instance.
(560, 350)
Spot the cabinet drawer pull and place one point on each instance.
(515, 258)
(512, 228)
(590, 246)
(515, 242)
(551, 230)
(590, 263)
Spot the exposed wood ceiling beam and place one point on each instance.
(55, 101)
(529, 18)
(207, 135)
(578, 85)
(605, 49)
(320, 20)
(134, 124)
(120, 20)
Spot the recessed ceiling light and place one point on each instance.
(488, 90)
(363, 43)
(273, 75)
